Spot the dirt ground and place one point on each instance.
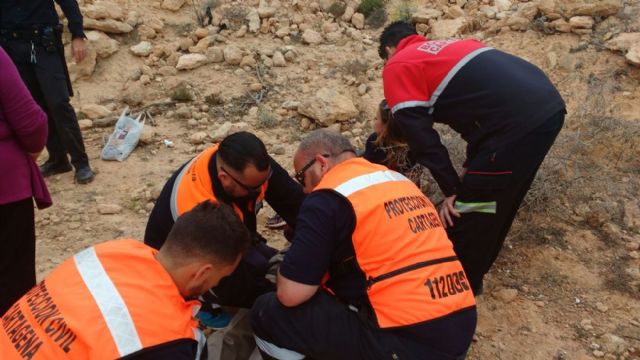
(567, 283)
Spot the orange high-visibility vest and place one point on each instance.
(193, 185)
(412, 272)
(106, 302)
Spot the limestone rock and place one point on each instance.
(527, 10)
(594, 8)
(358, 21)
(278, 59)
(560, 25)
(173, 5)
(445, 29)
(328, 106)
(109, 209)
(266, 12)
(202, 45)
(633, 58)
(454, 12)
(613, 344)
(198, 138)
(248, 60)
(103, 10)
(291, 105)
(107, 25)
(146, 32)
(143, 49)
(581, 22)
(222, 131)
(134, 94)
(191, 61)
(518, 23)
(84, 68)
(85, 124)
(506, 295)
(632, 210)
(254, 20)
(232, 55)
(147, 136)
(311, 37)
(215, 54)
(348, 13)
(623, 42)
(423, 16)
(503, 5)
(552, 9)
(94, 111)
(102, 43)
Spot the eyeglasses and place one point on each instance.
(250, 189)
(299, 176)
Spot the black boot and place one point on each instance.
(53, 167)
(84, 174)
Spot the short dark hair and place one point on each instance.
(243, 148)
(209, 230)
(392, 34)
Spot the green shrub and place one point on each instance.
(367, 7)
(377, 18)
(337, 9)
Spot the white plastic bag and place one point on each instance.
(124, 138)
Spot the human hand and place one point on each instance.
(448, 211)
(35, 155)
(79, 49)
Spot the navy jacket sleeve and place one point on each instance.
(284, 194)
(416, 125)
(181, 349)
(71, 11)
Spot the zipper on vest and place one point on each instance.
(402, 270)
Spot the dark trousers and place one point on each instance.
(17, 251)
(325, 328)
(496, 182)
(47, 83)
(244, 285)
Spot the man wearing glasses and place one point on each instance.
(370, 273)
(238, 172)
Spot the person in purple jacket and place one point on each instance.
(23, 135)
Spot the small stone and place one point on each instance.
(632, 212)
(362, 89)
(290, 56)
(348, 13)
(279, 150)
(215, 54)
(102, 43)
(94, 111)
(506, 295)
(633, 58)
(585, 324)
(222, 131)
(191, 61)
(502, 5)
(254, 21)
(173, 5)
(422, 28)
(305, 123)
(601, 307)
(358, 21)
(311, 37)
(266, 12)
(143, 48)
(147, 135)
(107, 25)
(198, 138)
(539, 303)
(328, 106)
(85, 124)
(560, 25)
(423, 16)
(598, 353)
(109, 209)
(201, 33)
(581, 22)
(248, 60)
(445, 29)
(192, 123)
(278, 59)
(232, 55)
(291, 105)
(255, 87)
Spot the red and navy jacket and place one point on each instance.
(489, 97)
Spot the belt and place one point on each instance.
(28, 35)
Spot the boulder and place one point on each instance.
(107, 25)
(173, 5)
(328, 106)
(142, 49)
(191, 61)
(102, 43)
(232, 55)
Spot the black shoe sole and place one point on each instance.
(85, 181)
(56, 171)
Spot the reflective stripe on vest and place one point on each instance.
(96, 306)
(412, 273)
(193, 185)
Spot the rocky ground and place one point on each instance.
(567, 283)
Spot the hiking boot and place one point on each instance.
(275, 222)
(84, 174)
(55, 167)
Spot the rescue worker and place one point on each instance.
(240, 173)
(370, 273)
(96, 305)
(504, 107)
(31, 34)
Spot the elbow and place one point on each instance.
(288, 299)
